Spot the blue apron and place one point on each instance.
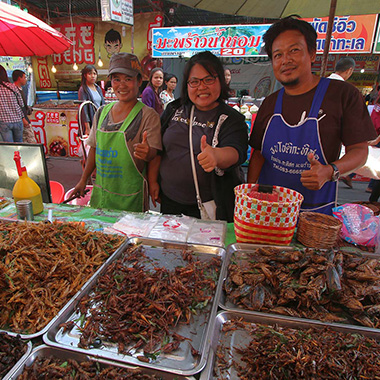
(285, 148)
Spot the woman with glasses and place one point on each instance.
(219, 141)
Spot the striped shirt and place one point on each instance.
(10, 103)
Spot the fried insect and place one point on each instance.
(274, 352)
(42, 266)
(327, 286)
(137, 304)
(11, 350)
(54, 368)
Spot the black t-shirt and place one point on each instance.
(177, 181)
(346, 119)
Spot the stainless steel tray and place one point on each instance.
(242, 249)
(44, 351)
(20, 361)
(239, 337)
(47, 327)
(180, 361)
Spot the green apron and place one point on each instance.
(119, 185)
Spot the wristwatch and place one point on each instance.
(335, 176)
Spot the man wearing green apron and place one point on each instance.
(124, 137)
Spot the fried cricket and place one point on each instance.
(54, 368)
(275, 352)
(137, 304)
(42, 266)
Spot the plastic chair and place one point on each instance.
(83, 201)
(57, 191)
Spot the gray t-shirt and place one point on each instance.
(177, 181)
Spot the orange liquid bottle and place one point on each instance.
(25, 187)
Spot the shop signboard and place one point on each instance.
(221, 40)
(57, 129)
(367, 62)
(376, 45)
(351, 34)
(117, 10)
(93, 40)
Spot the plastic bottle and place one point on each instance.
(25, 187)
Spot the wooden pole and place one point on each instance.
(328, 37)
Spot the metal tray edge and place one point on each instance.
(48, 340)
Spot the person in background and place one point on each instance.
(89, 90)
(228, 77)
(343, 69)
(375, 117)
(20, 80)
(125, 136)
(167, 95)
(12, 118)
(151, 94)
(219, 136)
(299, 130)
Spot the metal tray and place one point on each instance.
(227, 305)
(44, 351)
(47, 327)
(239, 337)
(241, 248)
(180, 361)
(20, 361)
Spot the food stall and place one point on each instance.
(253, 295)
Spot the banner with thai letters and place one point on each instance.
(350, 35)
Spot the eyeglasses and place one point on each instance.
(195, 82)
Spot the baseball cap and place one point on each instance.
(124, 63)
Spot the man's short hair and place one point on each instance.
(112, 36)
(17, 74)
(344, 64)
(290, 23)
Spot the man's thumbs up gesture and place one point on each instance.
(318, 174)
(207, 157)
(142, 149)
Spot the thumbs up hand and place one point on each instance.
(207, 157)
(318, 174)
(142, 149)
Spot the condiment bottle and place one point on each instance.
(25, 187)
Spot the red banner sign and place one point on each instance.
(350, 34)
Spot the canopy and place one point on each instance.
(24, 35)
(283, 8)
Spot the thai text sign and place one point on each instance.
(224, 41)
(117, 10)
(57, 130)
(350, 34)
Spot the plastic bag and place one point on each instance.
(371, 168)
(360, 225)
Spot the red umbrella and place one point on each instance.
(24, 35)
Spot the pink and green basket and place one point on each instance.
(263, 222)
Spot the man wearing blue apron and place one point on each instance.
(299, 130)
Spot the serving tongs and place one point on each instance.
(75, 196)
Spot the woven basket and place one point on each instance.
(318, 230)
(263, 222)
